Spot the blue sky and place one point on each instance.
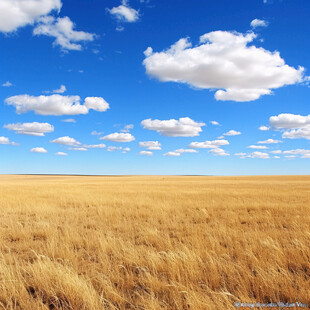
(155, 87)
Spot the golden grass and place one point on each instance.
(153, 242)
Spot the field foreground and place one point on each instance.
(151, 242)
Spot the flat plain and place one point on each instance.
(153, 242)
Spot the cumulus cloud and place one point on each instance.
(263, 128)
(124, 13)
(119, 137)
(38, 150)
(181, 151)
(183, 127)
(66, 140)
(7, 83)
(232, 133)
(113, 148)
(15, 14)
(214, 123)
(172, 154)
(258, 23)
(259, 155)
(225, 61)
(261, 147)
(147, 153)
(60, 90)
(5, 140)
(32, 129)
(150, 145)
(61, 154)
(208, 144)
(294, 126)
(56, 104)
(95, 146)
(302, 152)
(218, 152)
(62, 29)
(269, 141)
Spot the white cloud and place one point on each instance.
(113, 148)
(66, 140)
(223, 60)
(60, 90)
(69, 120)
(119, 137)
(276, 157)
(269, 141)
(19, 13)
(124, 13)
(56, 104)
(61, 154)
(290, 156)
(38, 150)
(214, 123)
(83, 149)
(263, 128)
(259, 155)
(96, 133)
(62, 29)
(302, 152)
(127, 128)
(258, 23)
(125, 150)
(172, 154)
(147, 153)
(276, 152)
(218, 152)
(294, 126)
(184, 127)
(261, 147)
(5, 140)
(95, 146)
(232, 133)
(150, 145)
(32, 129)
(208, 144)
(181, 151)
(241, 155)
(7, 83)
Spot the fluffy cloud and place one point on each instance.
(124, 13)
(113, 148)
(208, 144)
(66, 140)
(18, 13)
(181, 151)
(32, 129)
(258, 23)
(262, 147)
(263, 128)
(62, 29)
(56, 104)
(215, 123)
(38, 150)
(60, 90)
(61, 154)
(232, 133)
(269, 141)
(303, 153)
(150, 145)
(223, 60)
(294, 126)
(218, 152)
(172, 154)
(7, 83)
(259, 155)
(147, 153)
(184, 127)
(119, 137)
(95, 146)
(5, 140)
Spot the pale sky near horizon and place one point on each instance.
(155, 87)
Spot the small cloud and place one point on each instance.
(172, 154)
(113, 148)
(258, 23)
(215, 123)
(232, 133)
(127, 128)
(269, 141)
(218, 152)
(147, 153)
(261, 147)
(7, 84)
(208, 144)
(61, 154)
(32, 129)
(83, 149)
(150, 145)
(69, 120)
(66, 140)
(124, 13)
(38, 150)
(5, 140)
(119, 137)
(264, 128)
(96, 133)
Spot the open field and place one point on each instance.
(153, 242)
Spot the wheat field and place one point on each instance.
(153, 242)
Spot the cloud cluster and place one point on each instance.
(178, 152)
(5, 140)
(256, 154)
(225, 61)
(32, 129)
(62, 29)
(150, 145)
(19, 13)
(56, 104)
(183, 127)
(124, 13)
(119, 137)
(294, 126)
